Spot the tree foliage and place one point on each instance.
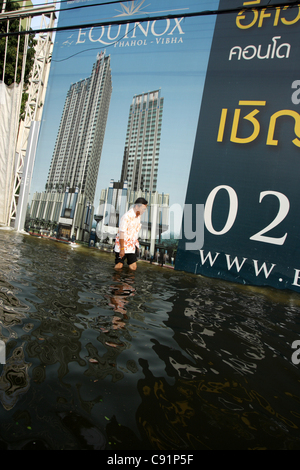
(12, 49)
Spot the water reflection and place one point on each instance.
(200, 414)
(14, 380)
(120, 290)
(148, 360)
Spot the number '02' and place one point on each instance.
(284, 207)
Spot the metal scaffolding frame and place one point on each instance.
(36, 90)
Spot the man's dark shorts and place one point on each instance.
(131, 258)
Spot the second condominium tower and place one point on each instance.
(141, 154)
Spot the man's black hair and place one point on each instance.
(141, 201)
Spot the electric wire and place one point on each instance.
(292, 4)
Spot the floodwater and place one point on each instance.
(152, 360)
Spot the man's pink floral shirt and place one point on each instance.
(130, 225)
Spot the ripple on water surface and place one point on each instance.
(156, 359)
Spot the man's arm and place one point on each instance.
(122, 249)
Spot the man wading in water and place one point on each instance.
(127, 245)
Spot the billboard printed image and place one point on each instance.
(146, 99)
(120, 115)
(246, 164)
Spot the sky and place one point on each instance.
(143, 63)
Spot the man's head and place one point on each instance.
(140, 206)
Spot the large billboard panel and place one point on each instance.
(196, 102)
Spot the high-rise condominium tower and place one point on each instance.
(77, 152)
(72, 178)
(141, 154)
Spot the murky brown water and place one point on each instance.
(157, 359)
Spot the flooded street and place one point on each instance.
(151, 360)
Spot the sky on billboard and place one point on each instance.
(169, 54)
